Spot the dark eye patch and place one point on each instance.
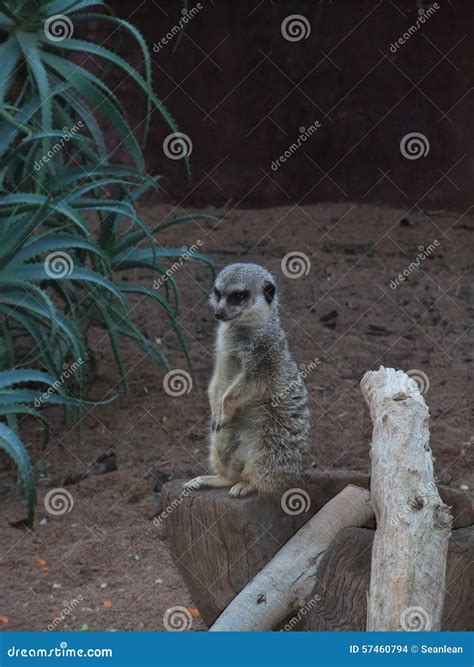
(235, 298)
(217, 294)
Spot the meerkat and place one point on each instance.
(258, 399)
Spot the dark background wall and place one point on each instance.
(241, 92)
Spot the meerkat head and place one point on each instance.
(244, 293)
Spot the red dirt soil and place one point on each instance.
(105, 561)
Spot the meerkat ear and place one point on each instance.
(268, 291)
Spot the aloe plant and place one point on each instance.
(19, 398)
(63, 199)
(55, 92)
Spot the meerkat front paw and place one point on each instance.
(216, 426)
(218, 422)
(242, 489)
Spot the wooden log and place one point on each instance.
(408, 570)
(220, 543)
(288, 579)
(343, 581)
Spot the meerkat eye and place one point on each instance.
(217, 294)
(235, 298)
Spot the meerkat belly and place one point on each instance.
(229, 452)
(232, 445)
(228, 368)
(247, 425)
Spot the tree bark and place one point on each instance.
(220, 544)
(413, 524)
(286, 582)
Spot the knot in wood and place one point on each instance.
(442, 516)
(401, 396)
(417, 503)
(261, 599)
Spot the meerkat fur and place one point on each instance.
(258, 399)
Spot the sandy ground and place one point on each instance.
(104, 564)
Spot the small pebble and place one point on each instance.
(464, 487)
